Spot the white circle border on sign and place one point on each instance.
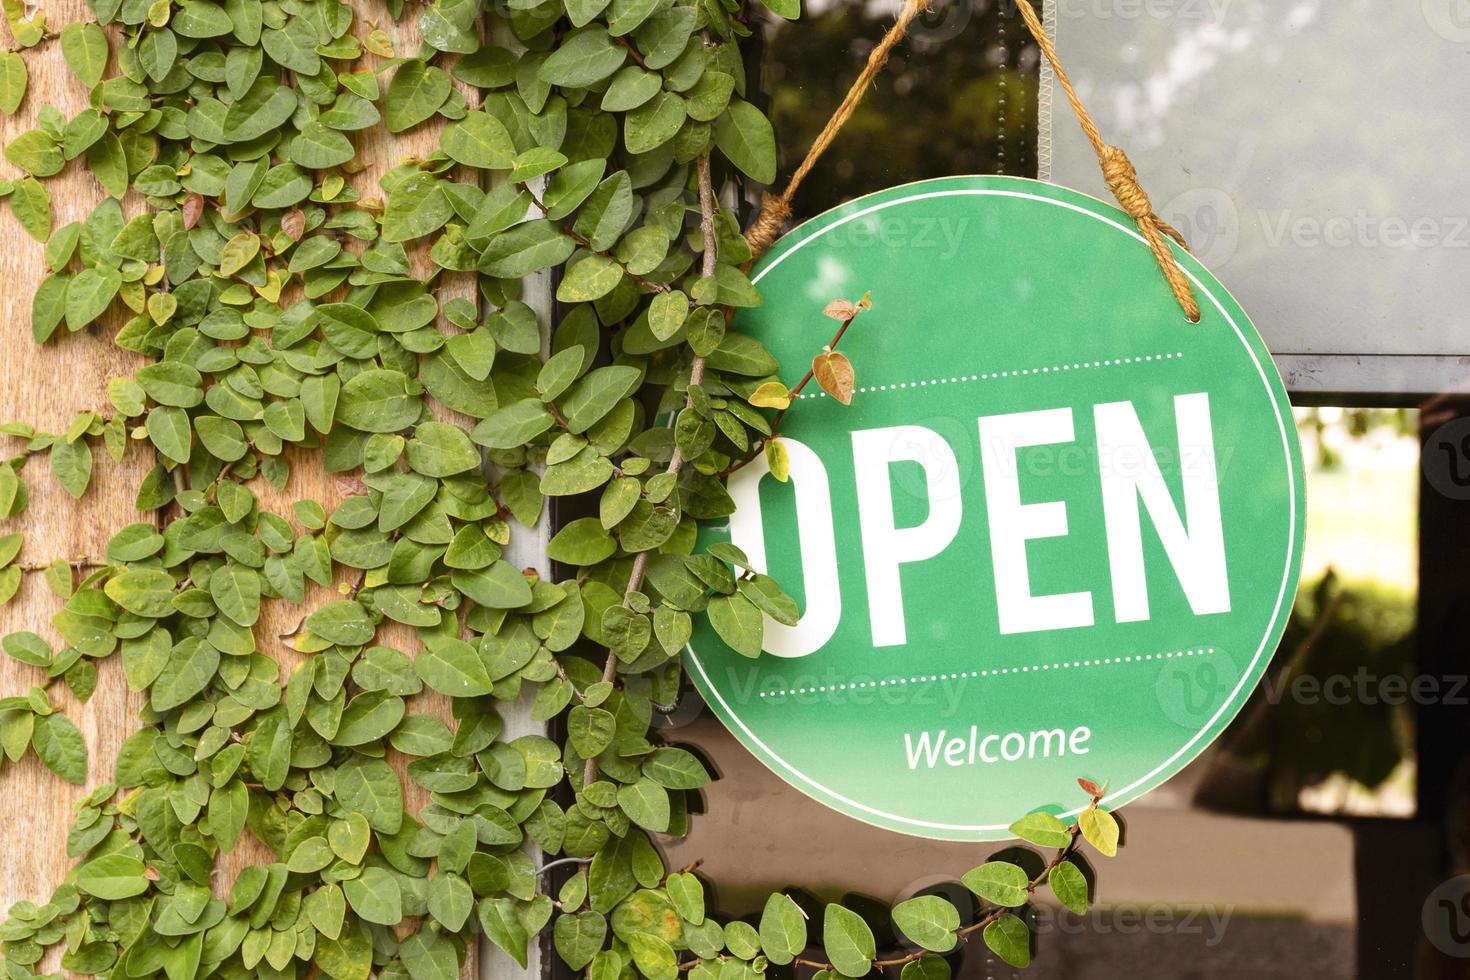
(1119, 795)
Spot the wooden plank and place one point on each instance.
(48, 386)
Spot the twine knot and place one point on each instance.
(767, 225)
(1122, 180)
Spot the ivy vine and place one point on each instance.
(279, 306)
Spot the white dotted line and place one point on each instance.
(997, 672)
(1020, 372)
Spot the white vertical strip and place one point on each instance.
(1044, 92)
(527, 549)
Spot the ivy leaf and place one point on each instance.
(479, 140)
(375, 896)
(1009, 939)
(13, 80)
(999, 883)
(584, 58)
(578, 937)
(344, 622)
(370, 787)
(848, 941)
(1069, 886)
(745, 136)
(926, 968)
(782, 929)
(378, 401)
(929, 921)
(111, 877)
(834, 373)
(1101, 830)
(71, 463)
(415, 93)
(501, 922)
(1042, 829)
(582, 542)
(453, 667)
(654, 957)
(84, 47)
(738, 622)
(416, 208)
(60, 747)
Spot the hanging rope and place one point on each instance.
(1120, 176)
(776, 209)
(1117, 169)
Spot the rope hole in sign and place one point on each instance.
(1117, 169)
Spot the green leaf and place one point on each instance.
(349, 838)
(12, 82)
(111, 877)
(450, 902)
(656, 122)
(71, 463)
(236, 591)
(1101, 830)
(687, 893)
(453, 667)
(738, 622)
(36, 153)
(782, 929)
(579, 937)
(582, 542)
(528, 247)
(589, 278)
(263, 109)
(584, 58)
(595, 395)
(168, 430)
(501, 922)
(1069, 886)
(191, 666)
(1042, 829)
(1009, 939)
(143, 591)
(89, 294)
(929, 921)
(344, 622)
(654, 957)
(32, 207)
(416, 93)
(317, 147)
(479, 140)
(925, 968)
(375, 897)
(999, 883)
(370, 787)
(590, 730)
(415, 208)
(514, 425)
(745, 136)
(84, 47)
(438, 449)
(60, 747)
(378, 401)
(848, 941)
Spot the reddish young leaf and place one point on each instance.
(193, 210)
(293, 223)
(840, 309)
(834, 373)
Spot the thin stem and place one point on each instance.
(781, 413)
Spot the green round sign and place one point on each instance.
(1056, 534)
